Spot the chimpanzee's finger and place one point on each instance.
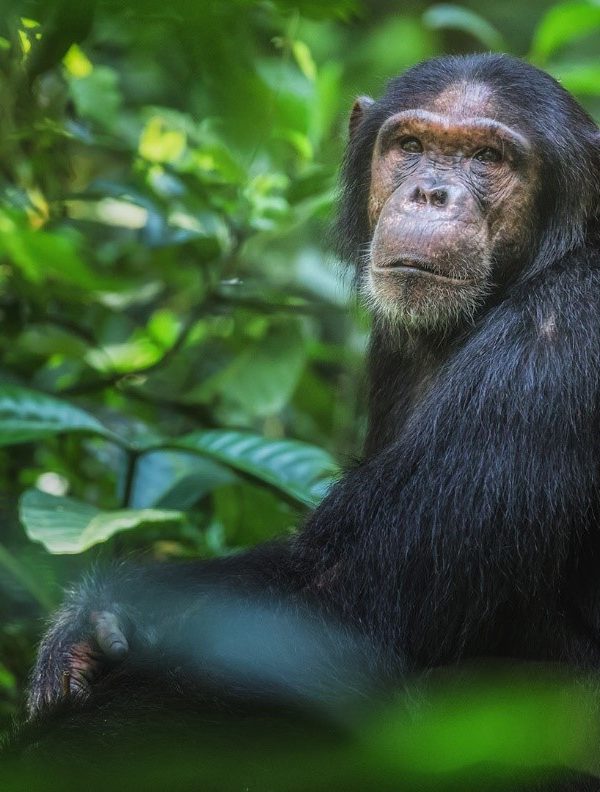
(109, 635)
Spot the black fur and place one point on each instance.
(472, 528)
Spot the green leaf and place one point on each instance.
(160, 143)
(8, 681)
(132, 355)
(25, 578)
(77, 63)
(244, 514)
(27, 415)
(262, 378)
(562, 24)
(66, 525)
(418, 43)
(213, 161)
(290, 466)
(513, 722)
(97, 96)
(175, 479)
(304, 59)
(44, 255)
(455, 17)
(579, 78)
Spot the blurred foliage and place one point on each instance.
(492, 732)
(180, 353)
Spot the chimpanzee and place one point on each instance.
(470, 208)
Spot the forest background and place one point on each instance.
(180, 352)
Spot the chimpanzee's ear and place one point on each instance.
(359, 108)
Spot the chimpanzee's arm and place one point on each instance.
(126, 607)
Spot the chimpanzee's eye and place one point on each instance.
(411, 145)
(488, 155)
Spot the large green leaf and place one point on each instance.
(260, 380)
(27, 415)
(294, 468)
(66, 525)
(562, 24)
(263, 377)
(175, 479)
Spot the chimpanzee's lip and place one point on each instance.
(421, 268)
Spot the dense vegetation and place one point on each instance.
(180, 353)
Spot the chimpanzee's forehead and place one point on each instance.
(465, 99)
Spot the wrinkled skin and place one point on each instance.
(446, 190)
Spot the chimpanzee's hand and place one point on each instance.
(75, 651)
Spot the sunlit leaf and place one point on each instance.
(160, 143)
(164, 326)
(77, 63)
(66, 525)
(304, 59)
(109, 211)
(132, 355)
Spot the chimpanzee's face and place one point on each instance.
(451, 207)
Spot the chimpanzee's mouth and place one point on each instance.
(412, 267)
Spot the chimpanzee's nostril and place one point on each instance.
(420, 196)
(439, 197)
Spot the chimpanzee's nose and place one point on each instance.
(434, 196)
